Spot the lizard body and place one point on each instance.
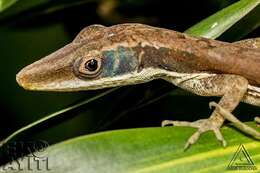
(127, 54)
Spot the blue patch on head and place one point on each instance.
(118, 62)
(108, 63)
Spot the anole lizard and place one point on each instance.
(128, 54)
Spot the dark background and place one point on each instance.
(31, 29)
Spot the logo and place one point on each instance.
(35, 160)
(241, 160)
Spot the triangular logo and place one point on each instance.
(241, 160)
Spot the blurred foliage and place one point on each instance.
(30, 30)
(4, 4)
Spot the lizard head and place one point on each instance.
(95, 59)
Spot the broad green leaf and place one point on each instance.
(215, 25)
(4, 4)
(145, 150)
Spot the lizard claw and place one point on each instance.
(192, 140)
(213, 104)
(166, 122)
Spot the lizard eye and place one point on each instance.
(91, 65)
(88, 67)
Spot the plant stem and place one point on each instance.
(50, 116)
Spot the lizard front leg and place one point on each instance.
(231, 88)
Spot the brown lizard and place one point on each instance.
(128, 54)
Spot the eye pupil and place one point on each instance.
(91, 65)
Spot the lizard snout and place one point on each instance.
(51, 73)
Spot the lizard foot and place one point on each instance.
(203, 125)
(238, 124)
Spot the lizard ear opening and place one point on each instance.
(88, 67)
(89, 33)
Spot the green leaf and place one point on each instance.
(145, 150)
(4, 4)
(215, 25)
(243, 27)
